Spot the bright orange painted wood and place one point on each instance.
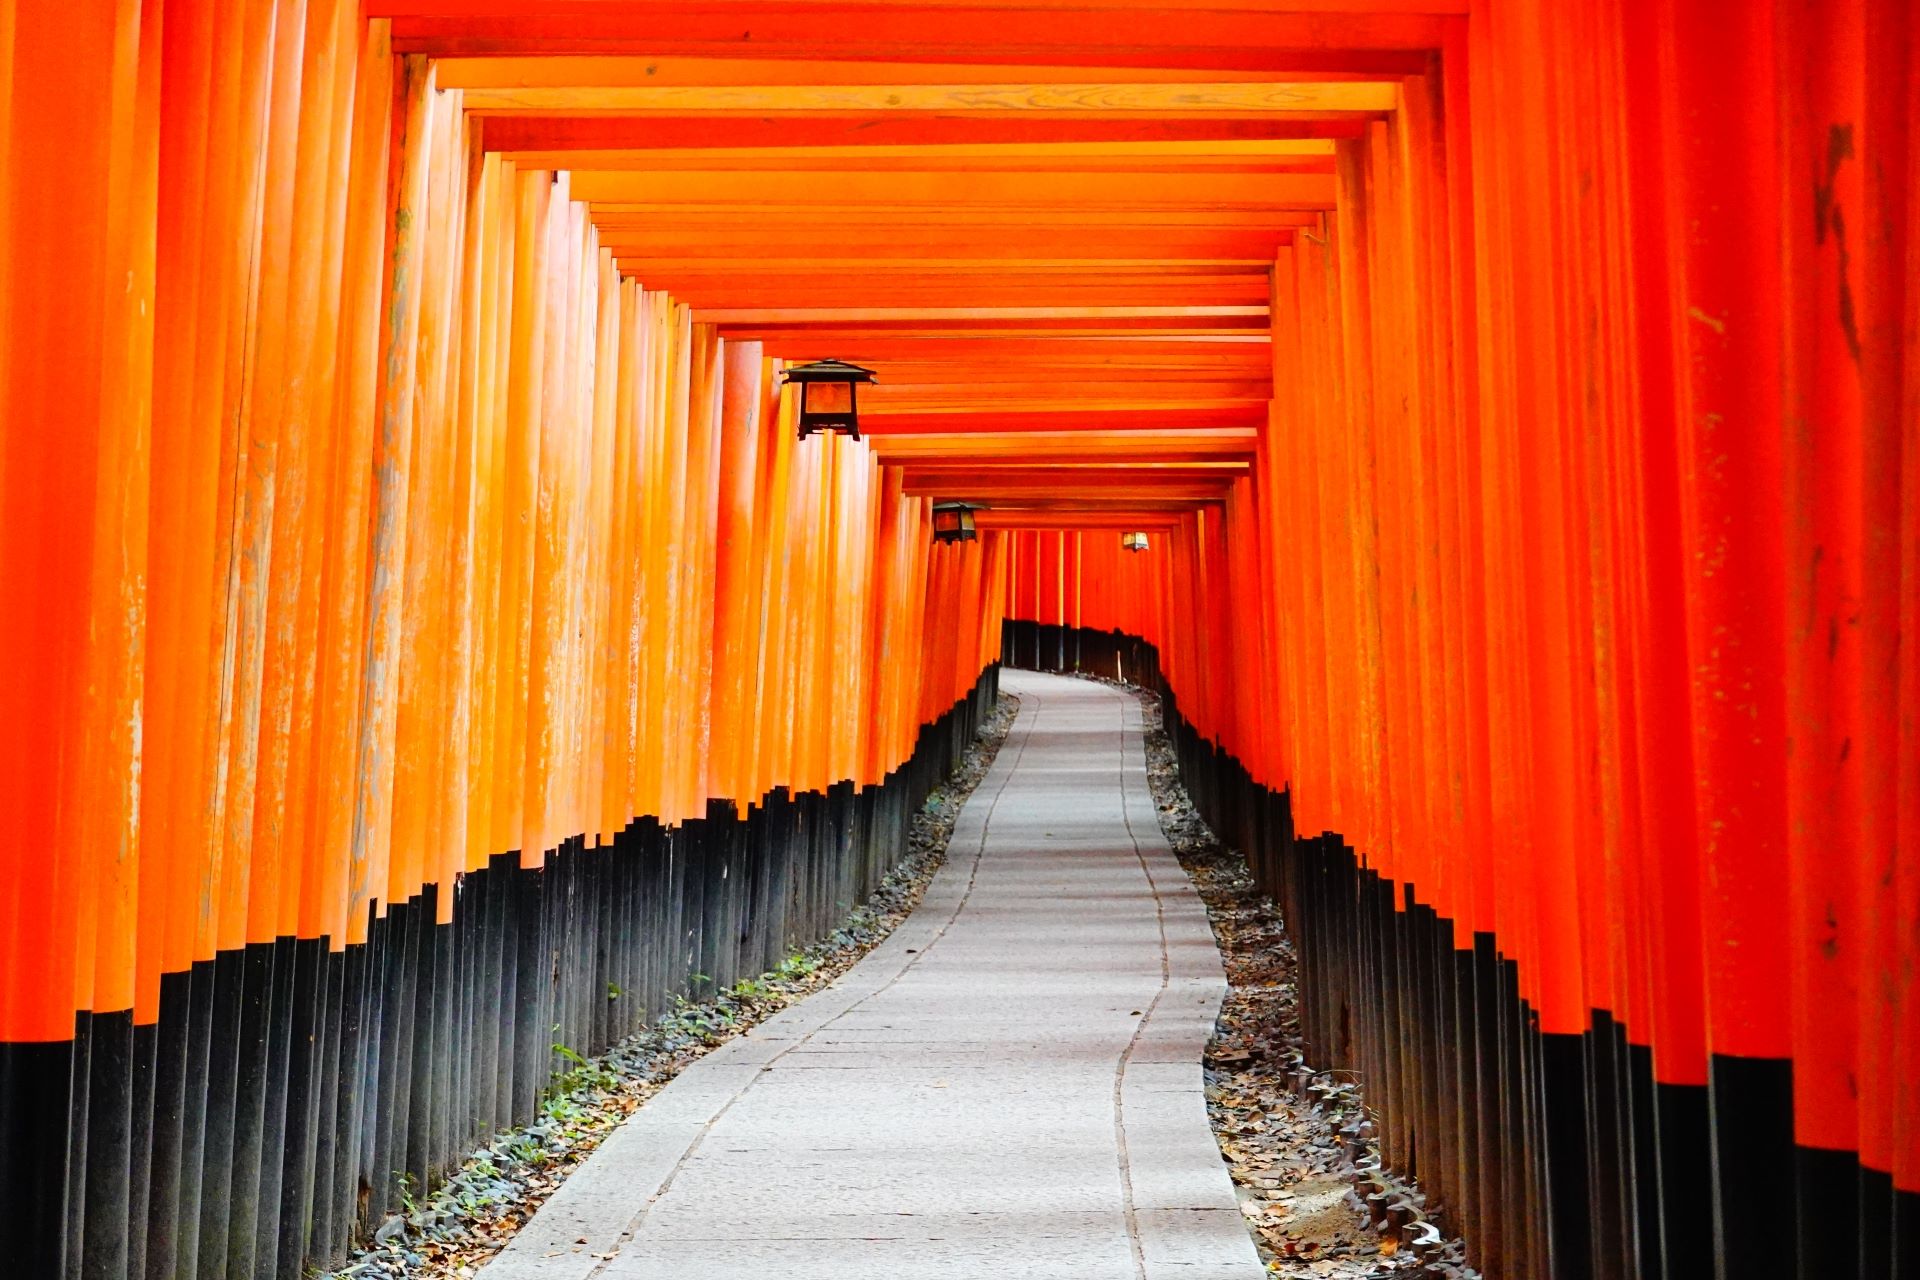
(395, 478)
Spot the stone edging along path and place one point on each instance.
(1296, 1141)
(451, 1233)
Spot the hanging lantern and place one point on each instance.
(827, 395)
(953, 522)
(1134, 541)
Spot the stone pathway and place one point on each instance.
(1009, 1086)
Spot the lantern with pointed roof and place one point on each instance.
(953, 522)
(827, 398)
(1134, 541)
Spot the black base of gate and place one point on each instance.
(290, 1092)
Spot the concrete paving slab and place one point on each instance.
(1009, 1086)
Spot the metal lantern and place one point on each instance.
(827, 395)
(953, 522)
(1134, 541)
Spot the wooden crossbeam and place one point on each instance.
(854, 137)
(1066, 192)
(852, 221)
(1125, 491)
(1012, 477)
(1061, 245)
(1114, 520)
(991, 377)
(1222, 442)
(792, 292)
(1237, 350)
(499, 73)
(1115, 34)
(1064, 417)
(1312, 99)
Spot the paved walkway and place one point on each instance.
(1009, 1086)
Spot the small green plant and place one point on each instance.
(563, 1110)
(583, 1075)
(408, 1204)
(797, 965)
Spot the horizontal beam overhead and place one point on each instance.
(945, 315)
(1122, 489)
(1169, 352)
(708, 293)
(958, 31)
(1115, 521)
(1064, 418)
(1060, 245)
(962, 465)
(1075, 325)
(1202, 441)
(854, 187)
(1195, 100)
(1147, 479)
(991, 377)
(897, 160)
(708, 133)
(850, 221)
(498, 73)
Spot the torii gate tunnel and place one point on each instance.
(426, 639)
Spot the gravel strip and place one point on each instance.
(471, 1217)
(1297, 1141)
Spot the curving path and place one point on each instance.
(1009, 1086)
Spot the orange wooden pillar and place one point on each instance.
(75, 193)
